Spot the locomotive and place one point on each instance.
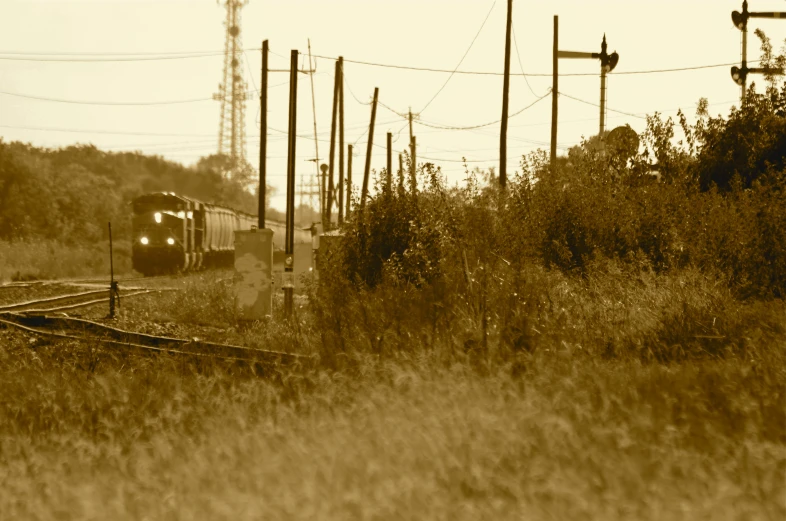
(176, 233)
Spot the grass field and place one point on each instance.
(583, 425)
(39, 259)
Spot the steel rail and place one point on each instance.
(123, 337)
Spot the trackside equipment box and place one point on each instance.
(254, 273)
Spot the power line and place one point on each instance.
(531, 74)
(462, 58)
(470, 127)
(518, 55)
(84, 102)
(596, 105)
(133, 103)
(106, 60)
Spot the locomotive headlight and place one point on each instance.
(170, 241)
(144, 240)
(157, 217)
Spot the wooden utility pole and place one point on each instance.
(554, 94)
(349, 180)
(413, 178)
(389, 173)
(400, 174)
(341, 140)
(413, 154)
(316, 141)
(262, 193)
(288, 284)
(503, 135)
(331, 160)
(367, 170)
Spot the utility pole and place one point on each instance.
(289, 283)
(412, 154)
(367, 170)
(349, 180)
(413, 180)
(554, 94)
(503, 135)
(316, 141)
(341, 140)
(331, 158)
(400, 174)
(740, 20)
(389, 173)
(262, 193)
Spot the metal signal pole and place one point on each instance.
(607, 64)
(316, 141)
(740, 20)
(503, 135)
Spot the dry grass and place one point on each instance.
(36, 260)
(583, 425)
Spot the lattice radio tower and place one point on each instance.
(232, 91)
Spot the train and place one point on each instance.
(173, 233)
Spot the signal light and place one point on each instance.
(739, 20)
(611, 62)
(144, 240)
(738, 75)
(170, 241)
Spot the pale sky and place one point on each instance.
(647, 34)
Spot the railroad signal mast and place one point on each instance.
(607, 64)
(232, 91)
(740, 20)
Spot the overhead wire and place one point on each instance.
(482, 25)
(529, 74)
(119, 103)
(481, 125)
(518, 55)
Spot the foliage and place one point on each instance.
(69, 194)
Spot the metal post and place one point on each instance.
(340, 140)
(389, 173)
(263, 140)
(503, 135)
(349, 179)
(602, 102)
(554, 94)
(316, 141)
(331, 159)
(113, 289)
(290, 217)
(367, 170)
(744, 48)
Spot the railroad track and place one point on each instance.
(74, 300)
(88, 330)
(77, 282)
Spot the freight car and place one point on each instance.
(176, 233)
